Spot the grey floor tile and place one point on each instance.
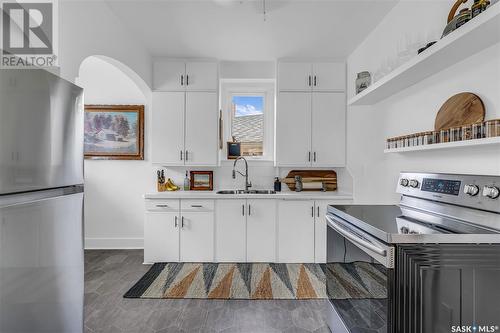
(110, 273)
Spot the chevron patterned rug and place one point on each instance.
(261, 281)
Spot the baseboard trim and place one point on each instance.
(113, 243)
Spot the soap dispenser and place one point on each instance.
(186, 182)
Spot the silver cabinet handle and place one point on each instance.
(187, 80)
(196, 206)
(312, 211)
(314, 158)
(318, 211)
(315, 80)
(182, 80)
(162, 206)
(182, 222)
(186, 155)
(249, 210)
(175, 221)
(309, 80)
(309, 157)
(181, 155)
(243, 210)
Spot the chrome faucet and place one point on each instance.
(247, 183)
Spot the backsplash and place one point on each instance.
(262, 177)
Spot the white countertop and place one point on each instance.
(334, 195)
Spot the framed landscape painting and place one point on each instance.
(114, 132)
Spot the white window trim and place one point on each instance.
(265, 88)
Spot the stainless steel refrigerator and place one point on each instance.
(41, 203)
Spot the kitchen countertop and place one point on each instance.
(279, 195)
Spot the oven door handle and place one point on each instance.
(341, 229)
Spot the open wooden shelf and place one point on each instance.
(447, 145)
(474, 36)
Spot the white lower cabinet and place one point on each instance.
(261, 230)
(301, 231)
(245, 230)
(230, 230)
(295, 231)
(320, 229)
(197, 237)
(173, 233)
(235, 230)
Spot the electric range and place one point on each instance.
(428, 264)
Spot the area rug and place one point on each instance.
(260, 281)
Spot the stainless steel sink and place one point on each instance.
(261, 192)
(246, 192)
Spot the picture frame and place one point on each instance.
(114, 132)
(202, 181)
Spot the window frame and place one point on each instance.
(264, 88)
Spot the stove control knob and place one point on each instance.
(414, 183)
(491, 192)
(404, 182)
(404, 230)
(471, 190)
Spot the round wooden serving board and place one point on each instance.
(461, 109)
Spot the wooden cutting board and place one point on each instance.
(312, 176)
(461, 109)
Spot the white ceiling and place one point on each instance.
(236, 30)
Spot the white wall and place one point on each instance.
(113, 189)
(414, 109)
(90, 28)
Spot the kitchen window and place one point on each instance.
(247, 123)
(248, 118)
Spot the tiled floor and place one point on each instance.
(109, 274)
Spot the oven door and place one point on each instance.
(359, 279)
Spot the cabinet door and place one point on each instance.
(230, 230)
(161, 237)
(293, 129)
(328, 129)
(261, 230)
(329, 76)
(169, 75)
(201, 76)
(320, 231)
(294, 76)
(295, 231)
(168, 128)
(197, 237)
(201, 128)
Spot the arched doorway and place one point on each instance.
(113, 188)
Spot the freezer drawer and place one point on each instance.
(41, 131)
(41, 264)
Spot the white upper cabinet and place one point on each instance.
(310, 128)
(328, 129)
(178, 75)
(328, 76)
(168, 127)
(201, 76)
(293, 129)
(307, 76)
(168, 75)
(294, 76)
(201, 128)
